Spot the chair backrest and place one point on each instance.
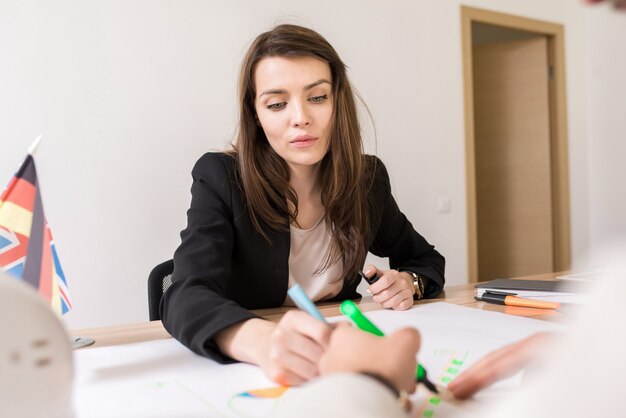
(159, 280)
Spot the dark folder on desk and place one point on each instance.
(542, 289)
(517, 284)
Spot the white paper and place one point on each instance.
(162, 378)
(585, 276)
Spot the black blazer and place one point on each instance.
(224, 267)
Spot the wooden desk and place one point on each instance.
(458, 295)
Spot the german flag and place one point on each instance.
(27, 250)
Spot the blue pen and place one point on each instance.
(303, 302)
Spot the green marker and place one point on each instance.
(349, 309)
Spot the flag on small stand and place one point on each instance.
(27, 250)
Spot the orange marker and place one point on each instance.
(511, 300)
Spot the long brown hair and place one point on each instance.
(264, 175)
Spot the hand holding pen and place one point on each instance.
(345, 356)
(289, 352)
(393, 357)
(349, 309)
(391, 288)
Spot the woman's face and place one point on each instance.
(294, 105)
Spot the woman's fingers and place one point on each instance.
(295, 347)
(292, 366)
(303, 323)
(287, 341)
(399, 301)
(392, 291)
(285, 377)
(406, 343)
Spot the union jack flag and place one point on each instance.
(27, 249)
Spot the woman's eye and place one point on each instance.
(277, 106)
(318, 99)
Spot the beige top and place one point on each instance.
(306, 254)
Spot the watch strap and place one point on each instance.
(418, 284)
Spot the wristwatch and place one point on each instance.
(418, 284)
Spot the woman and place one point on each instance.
(294, 201)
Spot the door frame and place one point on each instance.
(555, 34)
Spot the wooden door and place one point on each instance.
(512, 159)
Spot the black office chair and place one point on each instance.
(159, 280)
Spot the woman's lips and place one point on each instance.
(303, 141)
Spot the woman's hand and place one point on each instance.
(502, 363)
(291, 351)
(393, 290)
(287, 351)
(393, 357)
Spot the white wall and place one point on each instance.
(129, 94)
(606, 134)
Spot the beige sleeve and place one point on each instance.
(339, 395)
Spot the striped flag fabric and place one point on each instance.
(27, 249)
